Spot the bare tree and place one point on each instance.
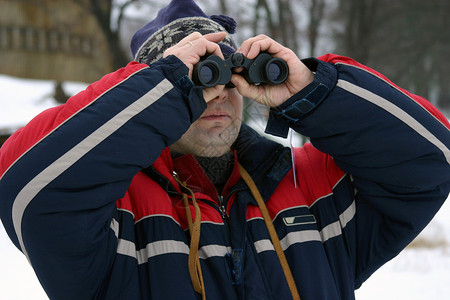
(102, 11)
(224, 7)
(316, 18)
(359, 24)
(287, 26)
(406, 39)
(270, 25)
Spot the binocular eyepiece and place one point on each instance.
(264, 69)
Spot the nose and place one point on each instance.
(223, 96)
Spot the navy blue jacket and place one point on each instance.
(87, 192)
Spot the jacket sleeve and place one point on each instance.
(395, 145)
(62, 174)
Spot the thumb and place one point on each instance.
(243, 87)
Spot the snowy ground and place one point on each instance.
(417, 273)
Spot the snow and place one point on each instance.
(20, 104)
(417, 273)
(22, 99)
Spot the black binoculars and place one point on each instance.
(264, 69)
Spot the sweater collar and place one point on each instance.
(190, 171)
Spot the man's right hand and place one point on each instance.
(194, 46)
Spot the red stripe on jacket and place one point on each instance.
(50, 119)
(311, 185)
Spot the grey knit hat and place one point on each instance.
(173, 23)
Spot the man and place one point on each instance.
(145, 186)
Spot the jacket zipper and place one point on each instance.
(223, 202)
(222, 208)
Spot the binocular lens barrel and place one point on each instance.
(207, 73)
(276, 71)
(264, 69)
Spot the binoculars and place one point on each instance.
(264, 69)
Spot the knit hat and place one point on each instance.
(173, 23)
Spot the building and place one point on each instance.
(56, 40)
(52, 39)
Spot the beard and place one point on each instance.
(208, 142)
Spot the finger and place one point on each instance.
(203, 44)
(213, 39)
(213, 48)
(193, 36)
(246, 45)
(216, 36)
(265, 45)
(261, 43)
(238, 69)
(243, 87)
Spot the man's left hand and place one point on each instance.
(272, 95)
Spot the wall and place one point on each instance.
(51, 39)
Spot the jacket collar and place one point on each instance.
(266, 161)
(190, 171)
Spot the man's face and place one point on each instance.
(216, 130)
